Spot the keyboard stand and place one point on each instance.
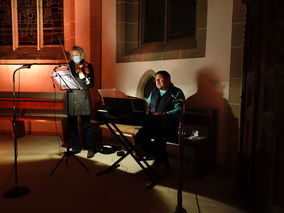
(130, 148)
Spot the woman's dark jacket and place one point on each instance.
(79, 101)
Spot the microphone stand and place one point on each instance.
(179, 208)
(16, 191)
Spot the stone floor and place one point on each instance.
(71, 188)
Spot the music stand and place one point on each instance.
(66, 81)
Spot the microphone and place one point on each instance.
(175, 99)
(27, 66)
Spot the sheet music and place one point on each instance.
(112, 93)
(66, 80)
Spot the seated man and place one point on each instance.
(162, 124)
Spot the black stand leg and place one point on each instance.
(113, 166)
(68, 153)
(130, 149)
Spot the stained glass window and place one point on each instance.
(27, 22)
(6, 23)
(52, 21)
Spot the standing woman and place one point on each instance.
(80, 102)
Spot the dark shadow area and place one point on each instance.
(218, 184)
(209, 96)
(72, 189)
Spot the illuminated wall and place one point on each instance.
(126, 76)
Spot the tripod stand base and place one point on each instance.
(66, 155)
(180, 210)
(17, 191)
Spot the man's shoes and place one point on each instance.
(165, 161)
(76, 150)
(157, 163)
(90, 154)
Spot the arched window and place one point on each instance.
(149, 86)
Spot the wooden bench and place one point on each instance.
(128, 131)
(33, 107)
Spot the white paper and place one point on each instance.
(66, 80)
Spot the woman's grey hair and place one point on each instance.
(79, 50)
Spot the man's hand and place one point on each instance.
(159, 113)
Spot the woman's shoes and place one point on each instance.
(90, 154)
(76, 150)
